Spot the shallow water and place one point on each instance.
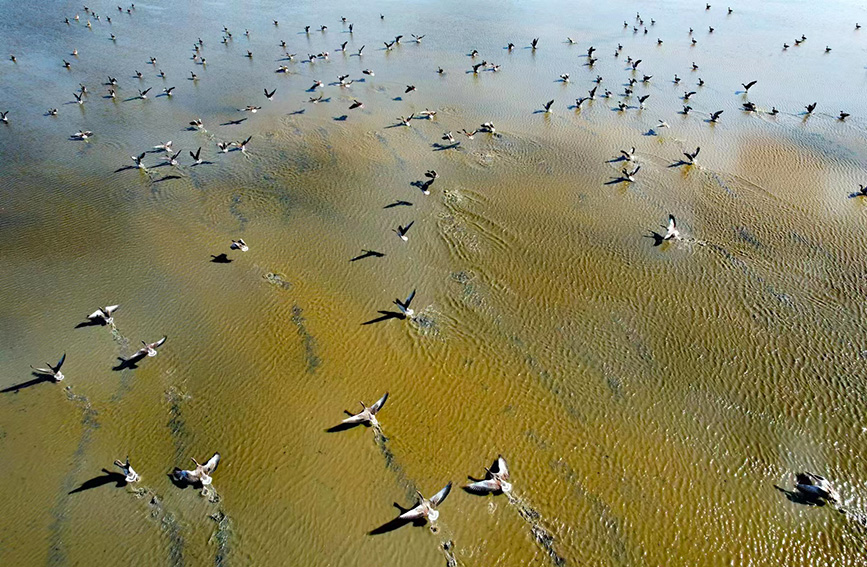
(648, 399)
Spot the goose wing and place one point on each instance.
(212, 463)
(360, 417)
(414, 514)
(484, 486)
(60, 362)
(379, 403)
(438, 498)
(500, 467)
(411, 295)
(159, 343)
(96, 314)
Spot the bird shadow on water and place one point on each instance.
(386, 315)
(658, 239)
(97, 322)
(101, 480)
(220, 259)
(130, 363)
(396, 523)
(40, 378)
(437, 147)
(616, 181)
(793, 496)
(680, 163)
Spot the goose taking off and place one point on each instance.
(105, 313)
(131, 475)
(404, 305)
(427, 508)
(239, 245)
(671, 232)
(367, 414)
(402, 230)
(201, 474)
(496, 479)
(628, 155)
(630, 175)
(815, 487)
(53, 371)
(690, 157)
(149, 349)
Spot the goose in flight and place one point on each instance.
(201, 474)
(105, 313)
(628, 155)
(367, 414)
(168, 91)
(143, 94)
(671, 232)
(243, 144)
(548, 105)
(197, 156)
(404, 305)
(167, 147)
(715, 116)
(402, 230)
(690, 157)
(82, 135)
(239, 245)
(130, 474)
(630, 175)
(810, 108)
(149, 349)
(748, 85)
(270, 96)
(356, 104)
(53, 371)
(815, 487)
(427, 508)
(496, 479)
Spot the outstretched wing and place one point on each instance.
(60, 362)
(484, 486)
(212, 463)
(414, 514)
(357, 418)
(501, 467)
(379, 403)
(159, 343)
(438, 498)
(411, 295)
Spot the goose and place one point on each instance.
(478, 66)
(628, 155)
(356, 104)
(694, 41)
(671, 232)
(534, 43)
(143, 94)
(5, 118)
(367, 414)
(749, 106)
(78, 98)
(641, 100)
(193, 76)
(774, 111)
(431, 174)
(590, 51)
(710, 29)
(676, 79)
(715, 116)
(827, 49)
(197, 124)
(496, 479)
(406, 121)
(690, 157)
(249, 55)
(53, 371)
(547, 106)
(360, 49)
(250, 108)
(488, 127)
(402, 230)
(282, 69)
(630, 175)
(662, 124)
(224, 146)
(388, 46)
(510, 47)
(448, 137)
(700, 82)
(564, 77)
(51, 112)
(153, 61)
(694, 66)
(622, 106)
(417, 38)
(686, 95)
(592, 93)
(635, 64)
(318, 99)
(201, 474)
(367, 72)
(810, 108)
(570, 41)
(82, 134)
(138, 74)
(646, 78)
(409, 89)
(785, 46)
(580, 101)
(149, 349)
(317, 83)
(686, 109)
(130, 474)
(74, 53)
(323, 28)
(13, 59)
(270, 96)
(342, 47)
(427, 508)
(843, 115)
(748, 85)
(173, 158)
(167, 147)
(197, 156)
(243, 144)
(105, 313)
(428, 114)
(404, 305)
(82, 88)
(469, 135)
(168, 91)
(815, 487)
(239, 245)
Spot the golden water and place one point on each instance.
(648, 399)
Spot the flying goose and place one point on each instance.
(810, 108)
(197, 156)
(356, 104)
(197, 124)
(547, 106)
(250, 108)
(201, 474)
(843, 115)
(82, 134)
(168, 91)
(105, 313)
(149, 349)
(417, 38)
(748, 85)
(402, 230)
(368, 72)
(5, 119)
(172, 159)
(404, 305)
(409, 89)
(629, 155)
(53, 371)
(131, 475)
(690, 157)
(496, 479)
(448, 136)
(224, 146)
(671, 232)
(715, 116)
(239, 245)
(534, 43)
(270, 96)
(243, 144)
(143, 94)
(815, 487)
(630, 175)
(427, 508)
(564, 77)
(78, 98)
(749, 106)
(406, 121)
(367, 414)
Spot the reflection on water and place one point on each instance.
(648, 398)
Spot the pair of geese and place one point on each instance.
(199, 475)
(104, 314)
(496, 478)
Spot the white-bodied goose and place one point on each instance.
(630, 175)
(690, 156)
(239, 245)
(367, 414)
(402, 230)
(53, 371)
(404, 305)
(105, 313)
(496, 479)
(201, 474)
(131, 475)
(149, 349)
(671, 232)
(427, 508)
